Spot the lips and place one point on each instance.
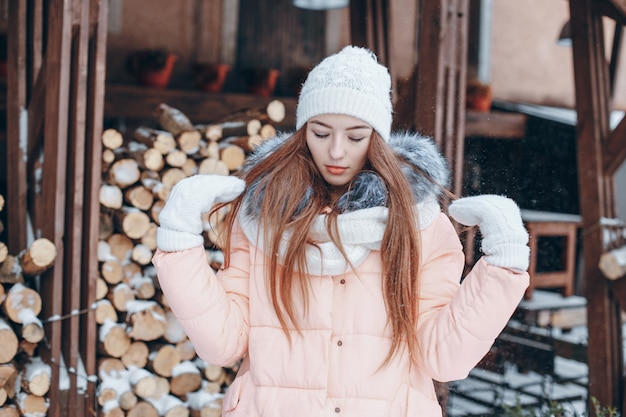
(336, 170)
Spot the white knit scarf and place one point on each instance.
(360, 232)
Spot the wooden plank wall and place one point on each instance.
(55, 104)
(369, 27)
(262, 43)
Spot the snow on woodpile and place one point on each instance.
(147, 365)
(25, 378)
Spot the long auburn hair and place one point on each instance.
(286, 175)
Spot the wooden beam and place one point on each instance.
(614, 9)
(615, 149)
(358, 23)
(495, 124)
(36, 106)
(616, 52)
(228, 33)
(207, 23)
(380, 34)
(17, 118)
(134, 102)
(592, 105)
(74, 212)
(93, 152)
(439, 104)
(456, 72)
(618, 287)
(57, 57)
(35, 39)
(428, 109)
(619, 5)
(369, 28)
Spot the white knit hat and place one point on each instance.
(349, 82)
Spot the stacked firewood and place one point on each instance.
(24, 377)
(147, 365)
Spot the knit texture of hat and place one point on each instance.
(350, 82)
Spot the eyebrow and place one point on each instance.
(349, 128)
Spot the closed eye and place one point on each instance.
(321, 135)
(357, 139)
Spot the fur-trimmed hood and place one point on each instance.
(368, 189)
(362, 222)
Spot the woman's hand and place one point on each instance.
(180, 222)
(504, 238)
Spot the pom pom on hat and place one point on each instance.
(350, 82)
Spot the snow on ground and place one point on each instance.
(485, 393)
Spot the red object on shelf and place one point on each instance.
(159, 77)
(211, 77)
(264, 86)
(478, 96)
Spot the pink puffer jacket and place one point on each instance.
(333, 366)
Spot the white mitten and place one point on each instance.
(180, 222)
(504, 238)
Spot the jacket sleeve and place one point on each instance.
(459, 323)
(212, 309)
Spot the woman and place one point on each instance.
(341, 282)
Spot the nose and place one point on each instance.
(337, 149)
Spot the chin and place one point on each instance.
(335, 182)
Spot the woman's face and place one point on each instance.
(338, 144)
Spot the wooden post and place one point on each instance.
(369, 28)
(98, 18)
(591, 76)
(429, 95)
(16, 113)
(454, 140)
(439, 100)
(75, 214)
(55, 143)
